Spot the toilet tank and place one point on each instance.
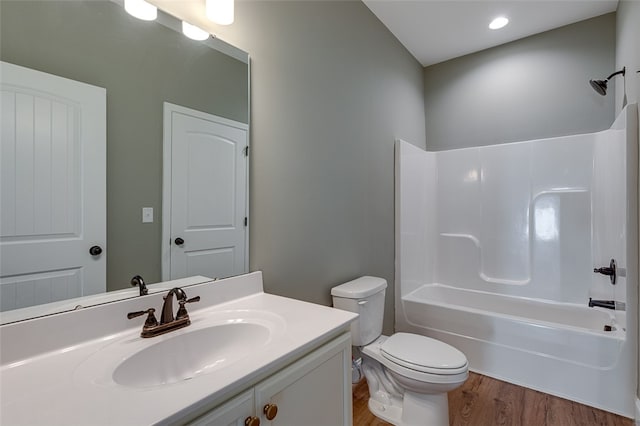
(364, 296)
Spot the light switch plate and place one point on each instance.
(147, 215)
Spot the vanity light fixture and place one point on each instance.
(499, 22)
(193, 32)
(220, 11)
(141, 9)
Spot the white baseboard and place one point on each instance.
(637, 412)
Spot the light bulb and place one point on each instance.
(193, 32)
(141, 9)
(220, 11)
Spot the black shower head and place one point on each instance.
(600, 86)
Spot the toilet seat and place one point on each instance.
(423, 354)
(439, 376)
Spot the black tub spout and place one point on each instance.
(609, 304)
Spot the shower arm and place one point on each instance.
(622, 71)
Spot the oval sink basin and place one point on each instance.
(190, 354)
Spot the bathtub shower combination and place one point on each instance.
(496, 248)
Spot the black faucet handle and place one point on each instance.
(135, 314)
(151, 318)
(608, 270)
(182, 311)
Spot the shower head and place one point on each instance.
(600, 86)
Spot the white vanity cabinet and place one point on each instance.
(244, 349)
(232, 413)
(313, 391)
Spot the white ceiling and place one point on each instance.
(438, 30)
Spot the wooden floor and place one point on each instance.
(483, 401)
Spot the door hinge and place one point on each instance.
(246, 151)
(246, 221)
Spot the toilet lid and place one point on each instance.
(423, 353)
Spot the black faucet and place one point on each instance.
(609, 304)
(167, 322)
(167, 306)
(138, 281)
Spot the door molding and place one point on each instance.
(168, 110)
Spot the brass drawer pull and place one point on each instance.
(270, 411)
(252, 421)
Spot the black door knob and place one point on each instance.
(179, 241)
(95, 251)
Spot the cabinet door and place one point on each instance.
(314, 391)
(231, 413)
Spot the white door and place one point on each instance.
(205, 195)
(52, 188)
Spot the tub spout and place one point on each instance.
(609, 304)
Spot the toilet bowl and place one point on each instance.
(408, 375)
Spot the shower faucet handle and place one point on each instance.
(608, 270)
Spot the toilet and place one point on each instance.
(408, 375)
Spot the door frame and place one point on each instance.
(168, 110)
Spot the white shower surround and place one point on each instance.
(495, 250)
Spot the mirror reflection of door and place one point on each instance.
(204, 195)
(52, 189)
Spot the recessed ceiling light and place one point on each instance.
(498, 23)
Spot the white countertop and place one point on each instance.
(45, 383)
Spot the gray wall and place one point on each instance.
(628, 52)
(141, 64)
(532, 88)
(331, 89)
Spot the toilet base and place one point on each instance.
(388, 413)
(425, 409)
(396, 404)
(417, 410)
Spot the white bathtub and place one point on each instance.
(557, 348)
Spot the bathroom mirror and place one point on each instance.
(142, 65)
